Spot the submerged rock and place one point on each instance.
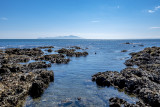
(127, 43)
(117, 102)
(124, 51)
(141, 45)
(43, 47)
(76, 47)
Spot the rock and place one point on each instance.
(43, 47)
(49, 50)
(13, 67)
(4, 70)
(124, 51)
(60, 60)
(79, 98)
(117, 102)
(65, 51)
(127, 43)
(71, 52)
(5, 58)
(29, 52)
(36, 89)
(38, 65)
(54, 58)
(76, 47)
(143, 81)
(18, 80)
(141, 45)
(17, 85)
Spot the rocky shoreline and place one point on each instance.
(19, 80)
(141, 77)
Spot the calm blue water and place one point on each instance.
(73, 80)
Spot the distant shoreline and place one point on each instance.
(77, 39)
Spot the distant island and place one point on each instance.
(62, 37)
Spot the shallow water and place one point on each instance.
(73, 80)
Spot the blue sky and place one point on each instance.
(92, 19)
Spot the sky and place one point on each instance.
(91, 19)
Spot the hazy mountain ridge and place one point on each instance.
(62, 37)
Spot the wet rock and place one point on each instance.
(1, 51)
(38, 65)
(71, 52)
(5, 58)
(117, 102)
(4, 70)
(127, 43)
(36, 89)
(79, 98)
(60, 60)
(124, 51)
(66, 103)
(49, 50)
(65, 51)
(76, 47)
(18, 85)
(13, 67)
(18, 80)
(143, 81)
(141, 45)
(43, 47)
(28, 52)
(54, 58)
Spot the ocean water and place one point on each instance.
(73, 80)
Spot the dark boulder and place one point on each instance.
(36, 89)
(124, 51)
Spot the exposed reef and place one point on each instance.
(142, 81)
(72, 52)
(19, 77)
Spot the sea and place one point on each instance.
(73, 86)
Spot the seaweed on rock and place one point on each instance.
(143, 81)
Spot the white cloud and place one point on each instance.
(95, 21)
(3, 18)
(154, 10)
(154, 27)
(151, 11)
(158, 7)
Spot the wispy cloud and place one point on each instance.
(151, 11)
(3, 18)
(95, 21)
(154, 27)
(154, 10)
